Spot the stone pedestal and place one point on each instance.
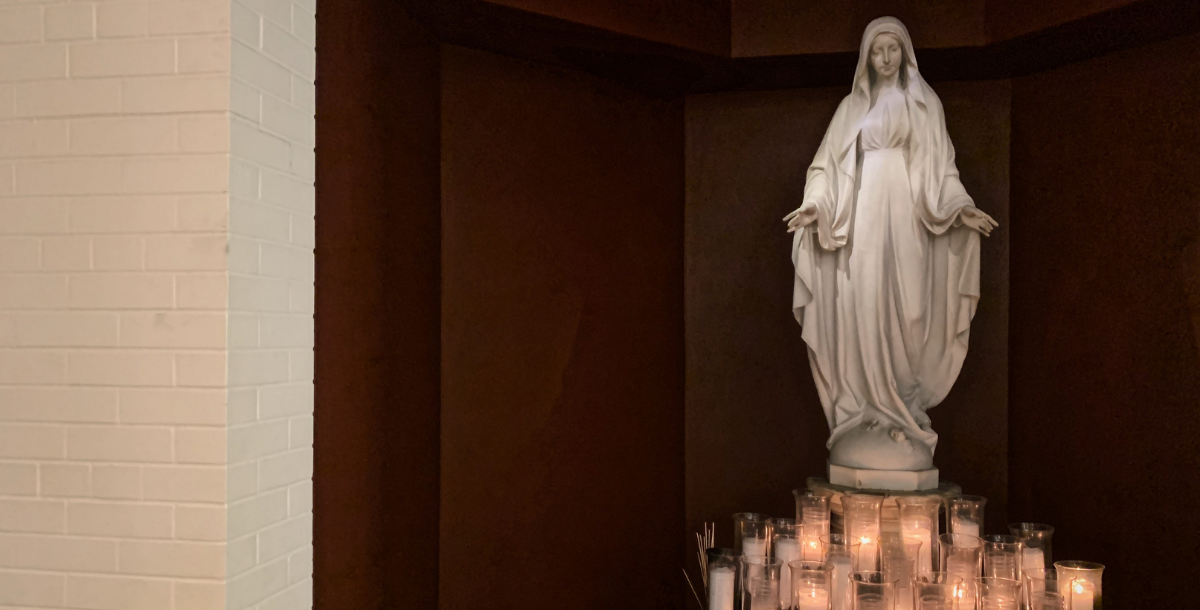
(888, 480)
(890, 516)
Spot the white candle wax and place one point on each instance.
(840, 567)
(787, 550)
(720, 589)
(754, 547)
(1083, 595)
(813, 599)
(1032, 559)
(921, 529)
(962, 526)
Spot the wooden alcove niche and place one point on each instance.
(552, 335)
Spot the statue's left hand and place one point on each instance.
(976, 219)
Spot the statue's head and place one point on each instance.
(888, 58)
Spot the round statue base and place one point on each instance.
(890, 514)
(890, 480)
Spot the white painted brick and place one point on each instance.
(7, 105)
(186, 252)
(68, 98)
(303, 164)
(288, 192)
(284, 469)
(246, 25)
(122, 19)
(204, 55)
(243, 406)
(243, 255)
(259, 71)
(258, 584)
(300, 565)
(259, 220)
(286, 330)
(130, 214)
(243, 331)
(184, 483)
(187, 174)
(203, 213)
(257, 367)
(304, 25)
(304, 231)
(199, 595)
(245, 101)
(301, 433)
(119, 136)
(32, 216)
(177, 406)
(65, 480)
(121, 291)
(117, 593)
(242, 554)
(28, 589)
(117, 482)
(28, 366)
(120, 520)
(122, 58)
(200, 523)
(241, 482)
(258, 294)
(18, 479)
(8, 177)
(257, 440)
(288, 262)
(288, 50)
(308, 5)
(28, 139)
(200, 369)
(32, 516)
(243, 181)
(173, 329)
(285, 400)
(69, 177)
(176, 94)
(300, 500)
(58, 404)
(118, 444)
(182, 559)
(189, 17)
(200, 446)
(202, 291)
(20, 24)
(283, 538)
(32, 291)
(58, 329)
(304, 94)
(19, 254)
(69, 22)
(302, 296)
(204, 134)
(118, 253)
(33, 62)
(64, 553)
(278, 11)
(298, 126)
(66, 253)
(249, 143)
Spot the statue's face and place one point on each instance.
(886, 55)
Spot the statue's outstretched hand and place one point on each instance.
(976, 219)
(800, 217)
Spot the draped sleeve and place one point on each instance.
(937, 191)
(827, 183)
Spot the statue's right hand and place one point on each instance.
(800, 217)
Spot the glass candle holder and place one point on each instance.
(860, 513)
(812, 516)
(1046, 600)
(1002, 557)
(760, 582)
(898, 561)
(722, 574)
(785, 541)
(752, 534)
(961, 555)
(919, 519)
(1036, 538)
(997, 593)
(1079, 583)
(810, 585)
(871, 590)
(841, 555)
(939, 591)
(965, 515)
(1036, 581)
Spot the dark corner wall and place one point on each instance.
(1105, 315)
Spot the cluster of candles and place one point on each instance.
(899, 563)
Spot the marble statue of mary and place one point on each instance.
(886, 251)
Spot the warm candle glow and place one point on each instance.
(865, 539)
(1078, 588)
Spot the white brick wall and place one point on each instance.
(156, 301)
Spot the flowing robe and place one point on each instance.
(887, 277)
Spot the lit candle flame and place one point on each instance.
(1078, 587)
(865, 539)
